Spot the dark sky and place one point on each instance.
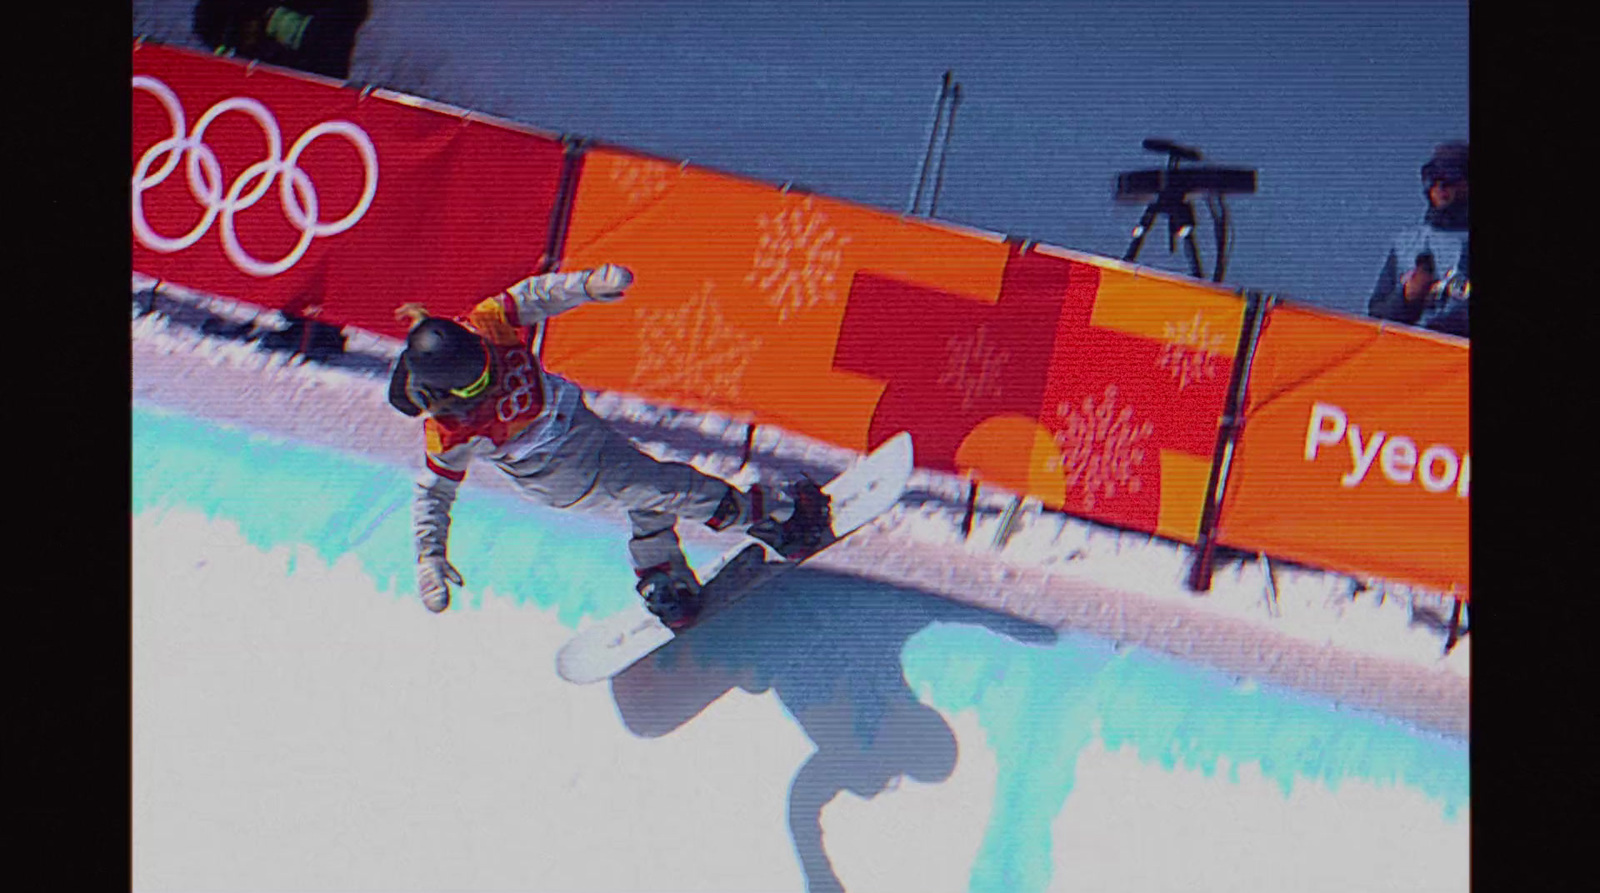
(1337, 104)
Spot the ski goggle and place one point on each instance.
(477, 387)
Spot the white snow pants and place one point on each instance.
(594, 466)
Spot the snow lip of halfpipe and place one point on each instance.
(1360, 653)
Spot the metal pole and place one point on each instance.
(1009, 520)
(933, 136)
(972, 508)
(1455, 627)
(749, 443)
(944, 151)
(572, 152)
(1272, 586)
(1255, 315)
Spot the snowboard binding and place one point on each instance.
(671, 598)
(808, 520)
(807, 530)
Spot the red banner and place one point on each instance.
(1094, 387)
(288, 191)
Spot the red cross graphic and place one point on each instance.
(950, 362)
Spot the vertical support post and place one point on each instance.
(1454, 634)
(972, 507)
(147, 307)
(749, 443)
(1255, 314)
(1008, 521)
(573, 149)
(1272, 585)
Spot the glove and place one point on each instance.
(434, 574)
(606, 282)
(410, 313)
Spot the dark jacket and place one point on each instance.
(312, 35)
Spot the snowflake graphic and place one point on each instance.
(1100, 447)
(1191, 351)
(973, 366)
(797, 259)
(642, 179)
(693, 348)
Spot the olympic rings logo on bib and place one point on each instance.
(519, 381)
(296, 193)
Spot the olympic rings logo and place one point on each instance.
(295, 191)
(520, 381)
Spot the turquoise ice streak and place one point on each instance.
(281, 492)
(1041, 706)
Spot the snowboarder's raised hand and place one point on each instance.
(411, 313)
(434, 574)
(606, 282)
(537, 298)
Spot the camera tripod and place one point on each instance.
(1170, 190)
(1180, 226)
(1174, 202)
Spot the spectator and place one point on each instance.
(1425, 280)
(311, 35)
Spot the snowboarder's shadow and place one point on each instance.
(829, 646)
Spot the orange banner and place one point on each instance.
(1355, 451)
(1093, 386)
(740, 291)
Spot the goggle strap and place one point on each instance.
(477, 387)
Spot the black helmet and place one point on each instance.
(1449, 162)
(440, 357)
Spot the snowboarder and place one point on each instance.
(483, 394)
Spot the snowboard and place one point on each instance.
(859, 494)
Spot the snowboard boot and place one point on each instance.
(672, 598)
(807, 529)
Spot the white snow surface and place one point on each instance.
(1381, 648)
(297, 729)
